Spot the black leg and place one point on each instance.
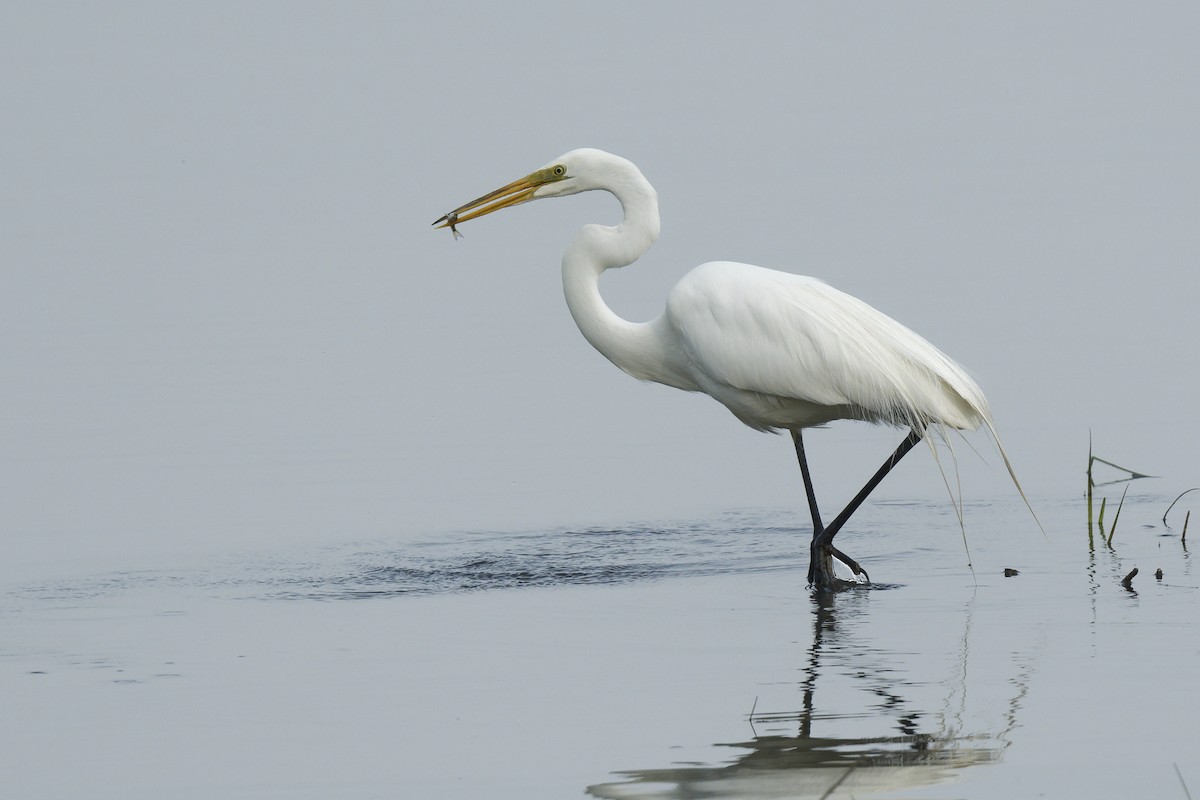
(808, 485)
(820, 572)
(908, 444)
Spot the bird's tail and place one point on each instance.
(1012, 473)
(974, 407)
(955, 491)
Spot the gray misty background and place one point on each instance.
(225, 320)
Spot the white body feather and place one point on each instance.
(788, 351)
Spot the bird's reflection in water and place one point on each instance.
(892, 743)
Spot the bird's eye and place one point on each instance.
(559, 171)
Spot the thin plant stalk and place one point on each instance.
(1176, 500)
(1133, 474)
(1090, 485)
(1183, 782)
(1112, 531)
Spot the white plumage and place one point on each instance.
(780, 351)
(788, 351)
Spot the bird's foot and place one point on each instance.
(830, 568)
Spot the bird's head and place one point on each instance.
(577, 171)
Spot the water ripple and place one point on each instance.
(742, 542)
(478, 562)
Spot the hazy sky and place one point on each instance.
(225, 317)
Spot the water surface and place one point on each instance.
(644, 660)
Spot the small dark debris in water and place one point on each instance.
(1158, 574)
(1010, 572)
(1127, 581)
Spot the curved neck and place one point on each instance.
(635, 347)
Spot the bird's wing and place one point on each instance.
(791, 336)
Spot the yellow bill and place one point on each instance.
(515, 193)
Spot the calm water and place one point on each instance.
(677, 660)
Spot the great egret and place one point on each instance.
(781, 351)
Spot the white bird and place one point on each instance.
(780, 351)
